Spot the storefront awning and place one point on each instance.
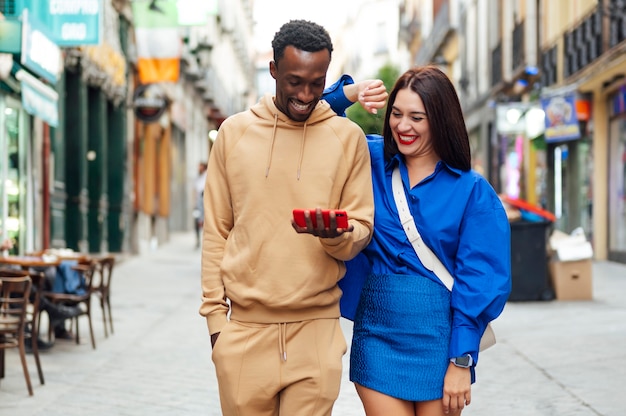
(38, 98)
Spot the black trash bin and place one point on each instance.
(529, 261)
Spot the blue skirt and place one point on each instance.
(401, 336)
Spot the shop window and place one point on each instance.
(12, 182)
(617, 186)
(9, 172)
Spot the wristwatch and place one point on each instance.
(464, 361)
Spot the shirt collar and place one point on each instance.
(397, 160)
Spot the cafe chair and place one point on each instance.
(14, 295)
(32, 317)
(102, 289)
(87, 269)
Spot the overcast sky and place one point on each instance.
(269, 16)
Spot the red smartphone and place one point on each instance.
(340, 216)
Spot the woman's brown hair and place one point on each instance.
(443, 110)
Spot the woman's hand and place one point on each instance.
(457, 390)
(372, 95)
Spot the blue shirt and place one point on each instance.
(334, 95)
(461, 219)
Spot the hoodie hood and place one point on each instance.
(267, 110)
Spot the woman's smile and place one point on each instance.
(406, 140)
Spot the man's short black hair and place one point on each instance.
(301, 34)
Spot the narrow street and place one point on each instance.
(552, 358)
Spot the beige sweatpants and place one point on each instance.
(288, 369)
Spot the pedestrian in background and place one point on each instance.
(198, 204)
(6, 245)
(415, 343)
(280, 352)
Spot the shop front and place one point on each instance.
(543, 154)
(569, 152)
(518, 167)
(16, 219)
(617, 177)
(30, 66)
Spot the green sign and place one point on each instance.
(10, 36)
(71, 22)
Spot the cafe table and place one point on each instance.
(63, 254)
(26, 262)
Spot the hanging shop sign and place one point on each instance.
(71, 22)
(561, 118)
(39, 53)
(10, 36)
(38, 99)
(150, 102)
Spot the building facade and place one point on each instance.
(84, 163)
(542, 86)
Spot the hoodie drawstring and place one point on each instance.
(282, 341)
(301, 151)
(271, 150)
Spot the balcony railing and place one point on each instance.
(583, 44)
(617, 21)
(496, 65)
(549, 66)
(518, 46)
(442, 26)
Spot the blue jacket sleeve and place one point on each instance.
(334, 95)
(483, 274)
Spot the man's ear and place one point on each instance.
(273, 69)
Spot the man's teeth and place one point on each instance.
(300, 107)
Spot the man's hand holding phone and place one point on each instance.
(327, 223)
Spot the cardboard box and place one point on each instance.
(571, 280)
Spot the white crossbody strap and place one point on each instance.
(425, 254)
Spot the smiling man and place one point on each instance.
(279, 352)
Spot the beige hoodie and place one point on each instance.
(261, 167)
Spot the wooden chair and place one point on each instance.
(14, 299)
(103, 289)
(87, 268)
(32, 317)
(32, 321)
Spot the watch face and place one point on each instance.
(462, 361)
